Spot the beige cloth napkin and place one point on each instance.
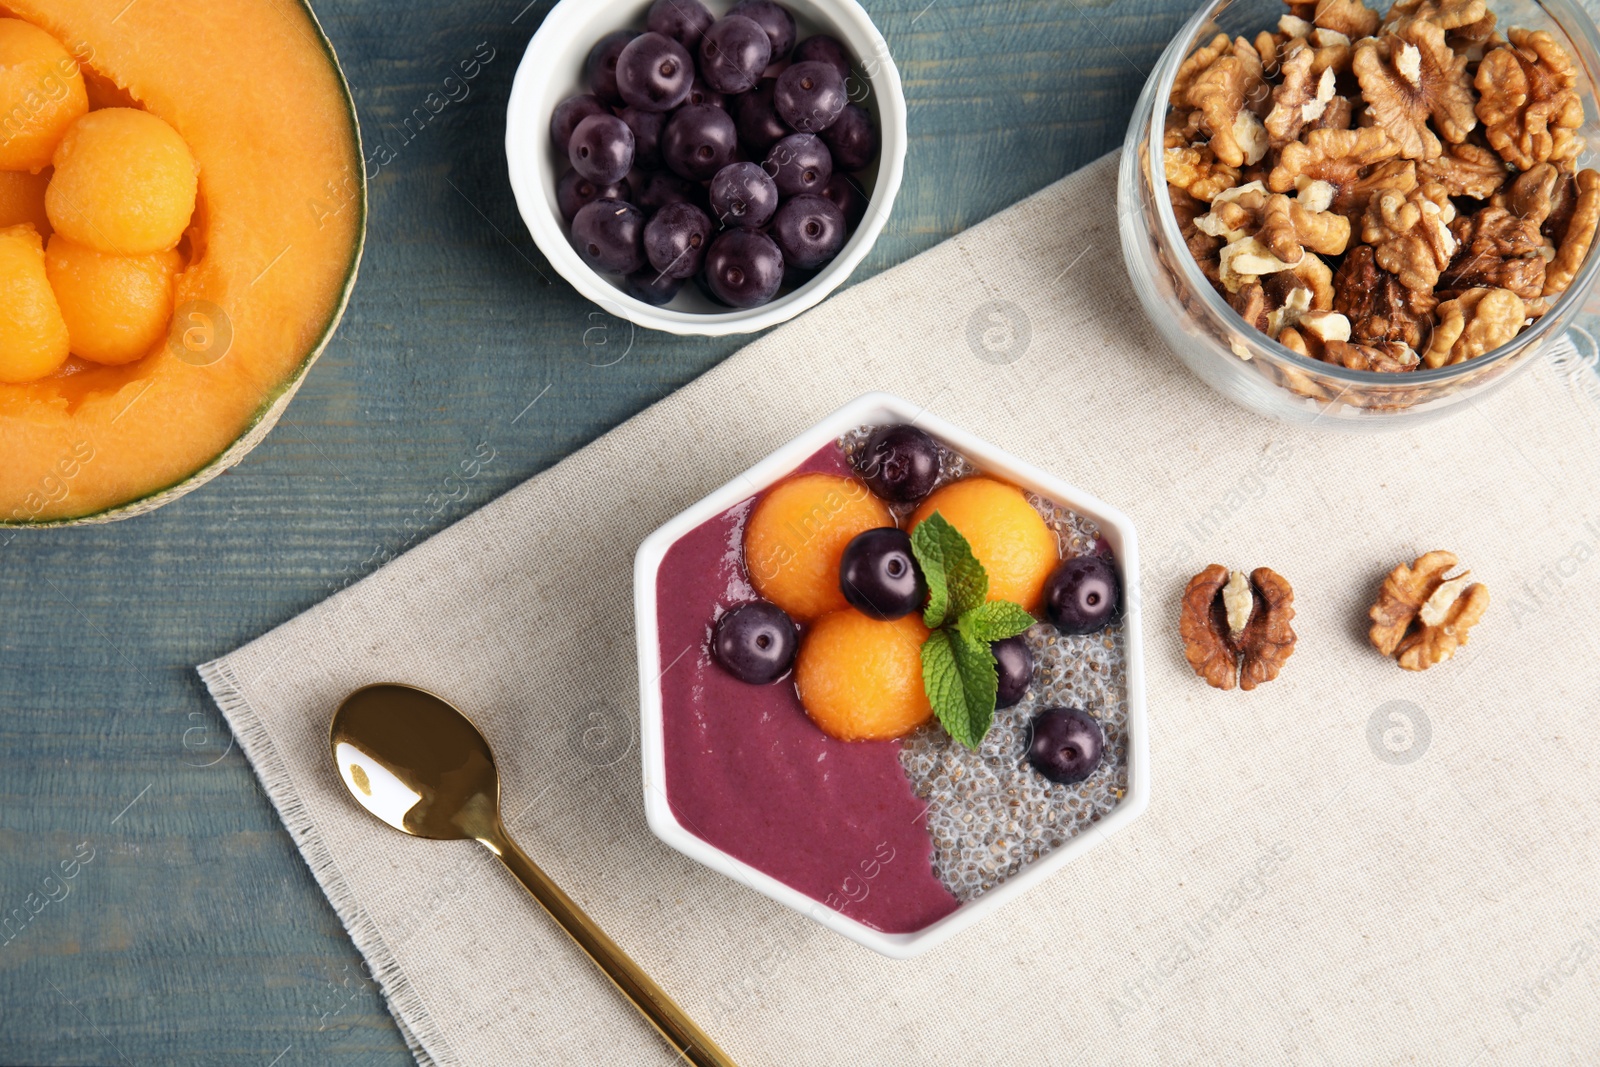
(1352, 864)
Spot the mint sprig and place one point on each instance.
(994, 621)
(959, 672)
(957, 582)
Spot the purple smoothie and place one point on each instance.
(749, 773)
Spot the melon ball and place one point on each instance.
(22, 199)
(33, 337)
(125, 183)
(1010, 538)
(116, 307)
(860, 679)
(41, 94)
(797, 535)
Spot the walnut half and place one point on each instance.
(1421, 616)
(1236, 629)
(1410, 232)
(1474, 323)
(1578, 237)
(1529, 107)
(1411, 75)
(1379, 308)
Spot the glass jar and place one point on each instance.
(1245, 364)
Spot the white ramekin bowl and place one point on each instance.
(552, 70)
(868, 410)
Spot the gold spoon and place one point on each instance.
(421, 766)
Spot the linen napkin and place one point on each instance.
(1353, 864)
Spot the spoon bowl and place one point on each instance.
(416, 762)
(421, 766)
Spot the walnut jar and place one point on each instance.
(1247, 365)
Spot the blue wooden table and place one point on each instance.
(191, 931)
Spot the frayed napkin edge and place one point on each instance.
(422, 1035)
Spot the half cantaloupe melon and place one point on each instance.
(255, 90)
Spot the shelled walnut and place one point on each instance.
(1414, 83)
(1466, 169)
(1355, 163)
(1378, 307)
(1228, 93)
(1196, 170)
(1410, 234)
(1349, 17)
(1423, 614)
(1421, 161)
(1497, 250)
(1287, 227)
(1449, 14)
(1236, 627)
(1300, 99)
(1477, 321)
(1528, 101)
(1577, 236)
(1384, 357)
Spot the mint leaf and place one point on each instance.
(961, 680)
(994, 621)
(957, 582)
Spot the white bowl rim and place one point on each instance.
(525, 111)
(868, 409)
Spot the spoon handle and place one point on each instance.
(668, 1019)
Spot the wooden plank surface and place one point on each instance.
(191, 932)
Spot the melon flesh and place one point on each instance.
(253, 90)
(22, 199)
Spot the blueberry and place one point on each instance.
(1065, 744)
(843, 191)
(852, 139)
(676, 239)
(570, 112)
(685, 21)
(900, 463)
(799, 163)
(662, 187)
(825, 49)
(1082, 596)
(733, 54)
(573, 191)
(744, 268)
(879, 576)
(1015, 664)
(601, 66)
(653, 287)
(609, 236)
(699, 141)
(759, 123)
(646, 127)
(601, 149)
(654, 73)
(701, 93)
(809, 96)
(774, 19)
(755, 642)
(743, 195)
(810, 230)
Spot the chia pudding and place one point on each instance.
(837, 775)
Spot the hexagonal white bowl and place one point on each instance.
(877, 409)
(552, 70)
